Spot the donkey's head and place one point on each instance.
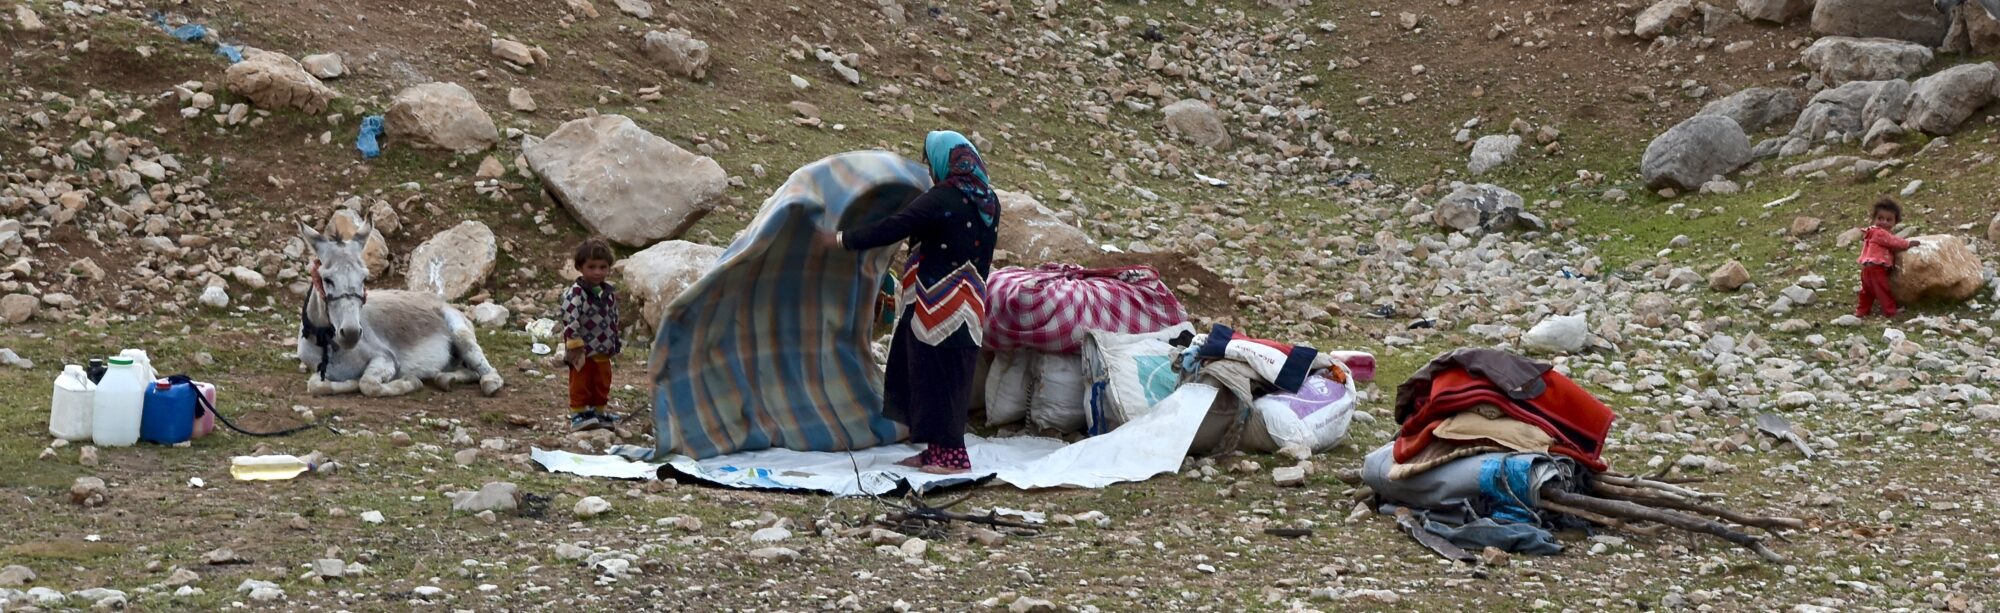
(339, 281)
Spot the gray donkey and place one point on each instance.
(386, 343)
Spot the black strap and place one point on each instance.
(201, 404)
(321, 336)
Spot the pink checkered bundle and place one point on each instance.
(1051, 307)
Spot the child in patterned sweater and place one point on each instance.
(591, 338)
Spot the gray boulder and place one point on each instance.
(1836, 113)
(656, 276)
(1688, 154)
(1485, 206)
(658, 192)
(1889, 103)
(440, 116)
(1662, 17)
(1492, 152)
(494, 496)
(1841, 59)
(677, 51)
(1198, 122)
(1757, 108)
(1774, 11)
(1939, 103)
(1917, 21)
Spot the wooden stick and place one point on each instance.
(1610, 522)
(934, 515)
(1629, 510)
(1673, 502)
(1651, 484)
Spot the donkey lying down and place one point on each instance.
(385, 343)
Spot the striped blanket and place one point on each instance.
(771, 347)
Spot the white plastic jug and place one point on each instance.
(141, 363)
(119, 403)
(70, 405)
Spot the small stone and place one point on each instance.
(1729, 277)
(87, 456)
(89, 492)
(465, 457)
(1031, 605)
(329, 568)
(592, 507)
(373, 517)
(1493, 556)
(988, 538)
(182, 576)
(914, 548)
(1805, 226)
(774, 554)
(1289, 476)
(16, 575)
(494, 496)
(770, 535)
(568, 551)
(520, 99)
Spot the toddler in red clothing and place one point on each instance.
(1879, 246)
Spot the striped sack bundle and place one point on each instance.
(1051, 307)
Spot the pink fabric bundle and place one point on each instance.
(1051, 307)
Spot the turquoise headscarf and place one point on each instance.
(955, 162)
(937, 151)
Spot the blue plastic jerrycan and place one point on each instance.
(169, 413)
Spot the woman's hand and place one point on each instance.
(827, 240)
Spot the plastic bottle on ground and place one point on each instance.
(268, 467)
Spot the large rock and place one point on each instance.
(1034, 234)
(1729, 277)
(345, 224)
(657, 191)
(1939, 103)
(1981, 29)
(274, 80)
(324, 65)
(1483, 205)
(1836, 113)
(1993, 229)
(1757, 108)
(1774, 11)
(1197, 122)
(1840, 59)
(1942, 268)
(17, 308)
(1491, 152)
(453, 263)
(677, 51)
(653, 278)
(1697, 149)
(642, 9)
(441, 116)
(1662, 17)
(1890, 103)
(1917, 21)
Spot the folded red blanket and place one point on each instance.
(1576, 419)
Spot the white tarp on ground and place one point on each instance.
(1148, 446)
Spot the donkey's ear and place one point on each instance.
(311, 236)
(362, 231)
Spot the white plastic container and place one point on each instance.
(267, 467)
(70, 405)
(118, 404)
(141, 363)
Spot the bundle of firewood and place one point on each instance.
(1646, 506)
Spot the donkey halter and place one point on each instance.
(319, 287)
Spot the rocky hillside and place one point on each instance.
(1654, 196)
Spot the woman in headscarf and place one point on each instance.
(951, 230)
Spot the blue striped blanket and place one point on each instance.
(771, 347)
